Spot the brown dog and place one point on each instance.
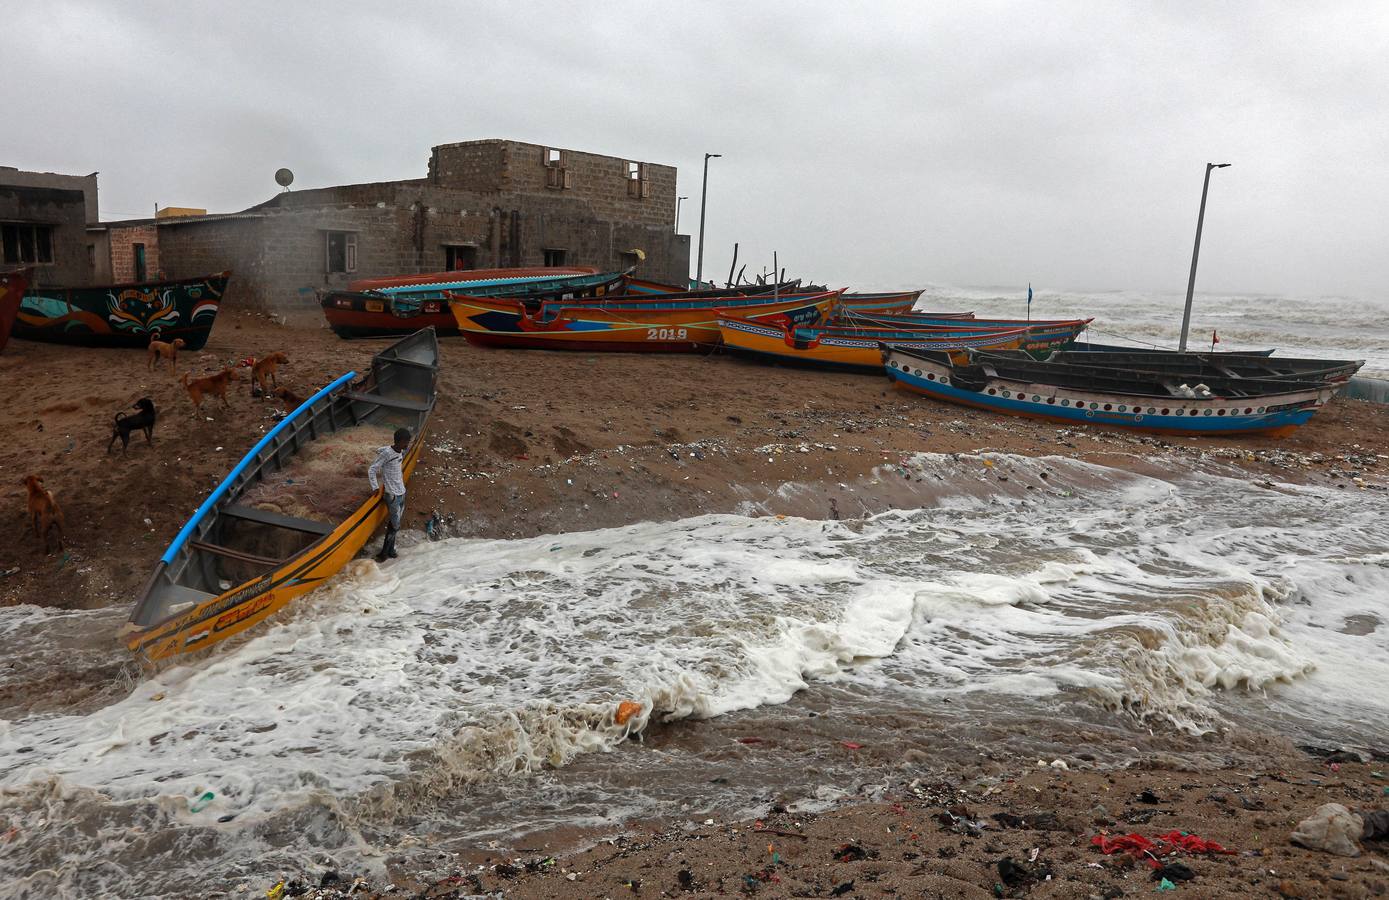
(162, 350)
(291, 399)
(264, 368)
(44, 513)
(210, 385)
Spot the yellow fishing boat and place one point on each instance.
(660, 324)
(267, 534)
(853, 349)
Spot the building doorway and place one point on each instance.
(461, 257)
(137, 251)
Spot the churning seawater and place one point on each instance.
(466, 693)
(1328, 327)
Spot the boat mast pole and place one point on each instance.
(703, 200)
(1196, 252)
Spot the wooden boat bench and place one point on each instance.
(278, 520)
(238, 555)
(394, 402)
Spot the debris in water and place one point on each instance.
(626, 709)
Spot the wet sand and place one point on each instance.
(528, 442)
(1027, 832)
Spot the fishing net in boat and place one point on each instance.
(327, 480)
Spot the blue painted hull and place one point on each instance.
(1276, 413)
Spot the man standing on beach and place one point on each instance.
(386, 468)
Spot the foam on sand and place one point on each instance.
(384, 697)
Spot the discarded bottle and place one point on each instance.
(201, 803)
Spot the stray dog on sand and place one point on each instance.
(141, 421)
(264, 368)
(291, 399)
(212, 385)
(44, 513)
(162, 350)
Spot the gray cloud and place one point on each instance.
(1061, 143)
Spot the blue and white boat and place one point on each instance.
(1112, 396)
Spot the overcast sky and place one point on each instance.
(906, 143)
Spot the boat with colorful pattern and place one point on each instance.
(123, 315)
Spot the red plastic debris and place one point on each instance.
(1137, 845)
(1191, 843)
(1124, 843)
(851, 745)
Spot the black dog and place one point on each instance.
(141, 421)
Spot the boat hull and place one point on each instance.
(162, 627)
(252, 602)
(404, 309)
(857, 350)
(127, 315)
(1274, 415)
(887, 302)
(685, 326)
(12, 286)
(367, 316)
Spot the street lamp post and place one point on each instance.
(678, 201)
(703, 198)
(1195, 252)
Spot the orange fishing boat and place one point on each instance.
(883, 302)
(635, 325)
(857, 349)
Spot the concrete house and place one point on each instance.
(482, 204)
(49, 221)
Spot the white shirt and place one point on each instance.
(387, 464)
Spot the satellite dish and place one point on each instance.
(284, 178)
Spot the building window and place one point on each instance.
(26, 243)
(638, 186)
(458, 258)
(556, 175)
(137, 253)
(554, 257)
(342, 251)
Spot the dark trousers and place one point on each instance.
(395, 508)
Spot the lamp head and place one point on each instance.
(1218, 165)
(712, 155)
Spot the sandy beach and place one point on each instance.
(533, 443)
(529, 442)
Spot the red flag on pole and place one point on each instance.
(1215, 338)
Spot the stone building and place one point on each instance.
(483, 204)
(49, 221)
